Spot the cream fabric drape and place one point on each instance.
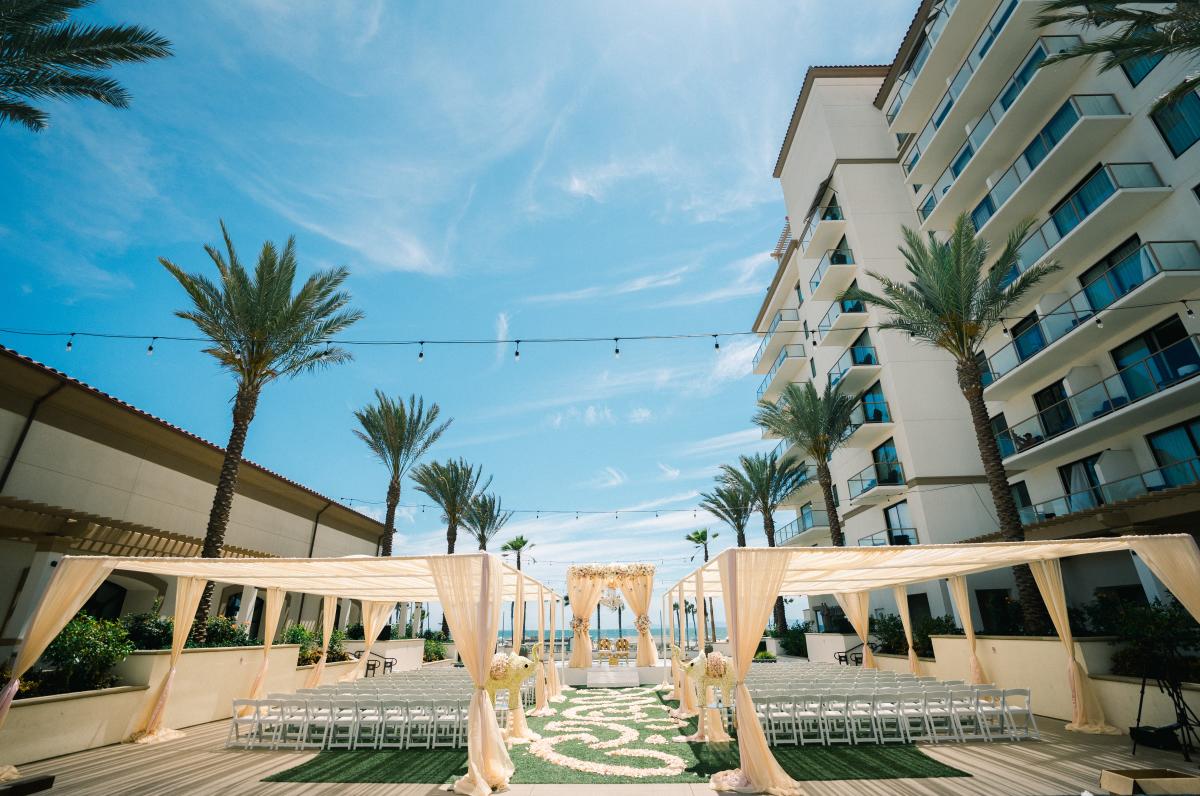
(688, 703)
(1175, 561)
(518, 727)
(709, 727)
(585, 596)
(750, 582)
(328, 612)
(673, 600)
(541, 689)
(857, 607)
(271, 612)
(556, 645)
(901, 595)
(188, 592)
(374, 615)
(666, 684)
(470, 589)
(1086, 713)
(958, 593)
(637, 590)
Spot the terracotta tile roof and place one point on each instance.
(112, 399)
(906, 45)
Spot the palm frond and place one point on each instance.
(451, 485)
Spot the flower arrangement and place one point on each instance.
(642, 623)
(714, 665)
(499, 667)
(610, 573)
(579, 626)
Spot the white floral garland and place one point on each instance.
(610, 572)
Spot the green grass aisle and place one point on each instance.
(637, 717)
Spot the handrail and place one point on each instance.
(786, 314)
(835, 311)
(831, 257)
(828, 212)
(854, 355)
(933, 31)
(1182, 473)
(789, 351)
(890, 473)
(889, 537)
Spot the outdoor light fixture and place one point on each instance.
(150, 348)
(71, 341)
(517, 353)
(716, 343)
(1004, 329)
(421, 352)
(616, 348)
(1099, 323)
(1190, 312)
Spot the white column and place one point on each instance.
(41, 567)
(403, 617)
(344, 614)
(245, 614)
(168, 603)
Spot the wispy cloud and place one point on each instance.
(669, 473)
(597, 182)
(639, 415)
(608, 478)
(501, 334)
(735, 441)
(747, 276)
(635, 285)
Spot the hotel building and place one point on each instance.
(1091, 383)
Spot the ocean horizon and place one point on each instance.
(628, 632)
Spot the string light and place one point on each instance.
(1099, 322)
(1188, 310)
(71, 342)
(716, 343)
(616, 348)
(517, 352)
(150, 348)
(1004, 329)
(421, 352)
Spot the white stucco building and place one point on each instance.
(82, 472)
(1091, 384)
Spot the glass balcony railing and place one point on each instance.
(806, 521)
(836, 309)
(790, 351)
(871, 409)
(983, 46)
(780, 317)
(855, 355)
(1118, 281)
(877, 474)
(1005, 99)
(934, 26)
(832, 257)
(1078, 206)
(1172, 365)
(829, 212)
(1043, 143)
(891, 536)
(1181, 473)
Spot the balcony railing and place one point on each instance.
(1172, 365)
(1118, 281)
(835, 311)
(934, 26)
(829, 212)
(959, 82)
(832, 257)
(1181, 473)
(854, 355)
(875, 475)
(891, 536)
(790, 351)
(806, 521)
(872, 409)
(781, 316)
(1079, 205)
(1005, 99)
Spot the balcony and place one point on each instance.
(1161, 383)
(782, 325)
(843, 322)
(889, 537)
(809, 490)
(855, 370)
(788, 365)
(878, 482)
(1184, 473)
(1156, 273)
(832, 275)
(871, 423)
(1008, 35)
(785, 287)
(823, 229)
(1004, 128)
(801, 531)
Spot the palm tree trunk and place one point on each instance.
(389, 519)
(451, 538)
(244, 405)
(825, 479)
(779, 613)
(741, 537)
(970, 381)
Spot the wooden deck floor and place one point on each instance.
(1062, 763)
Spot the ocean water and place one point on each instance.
(611, 632)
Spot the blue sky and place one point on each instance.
(515, 170)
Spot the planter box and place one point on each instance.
(1148, 780)
(771, 645)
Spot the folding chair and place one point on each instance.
(914, 719)
(420, 725)
(342, 724)
(889, 721)
(990, 708)
(835, 718)
(964, 707)
(246, 717)
(1018, 703)
(366, 728)
(940, 715)
(393, 724)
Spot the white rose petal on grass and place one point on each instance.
(656, 740)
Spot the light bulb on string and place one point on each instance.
(517, 352)
(616, 348)
(421, 352)
(150, 348)
(1004, 329)
(71, 342)
(1190, 312)
(1099, 323)
(716, 343)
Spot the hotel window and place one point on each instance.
(1081, 483)
(899, 524)
(999, 426)
(887, 464)
(1020, 495)
(1179, 123)
(875, 408)
(1027, 336)
(1054, 409)
(1155, 359)
(1177, 452)
(1137, 69)
(1083, 201)
(1103, 283)
(799, 295)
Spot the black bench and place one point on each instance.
(19, 787)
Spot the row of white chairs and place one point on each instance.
(308, 722)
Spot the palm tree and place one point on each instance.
(952, 303)
(768, 481)
(451, 486)
(731, 504)
(518, 545)
(700, 539)
(259, 331)
(45, 56)
(1173, 29)
(818, 424)
(398, 435)
(485, 517)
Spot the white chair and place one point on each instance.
(246, 719)
(366, 728)
(1018, 704)
(860, 712)
(964, 707)
(393, 724)
(781, 717)
(319, 717)
(447, 725)
(293, 724)
(342, 723)
(421, 715)
(835, 719)
(889, 721)
(990, 707)
(940, 715)
(807, 713)
(914, 719)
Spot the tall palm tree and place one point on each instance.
(43, 55)
(768, 481)
(1135, 32)
(398, 435)
(519, 545)
(259, 331)
(484, 518)
(700, 539)
(818, 424)
(952, 303)
(732, 505)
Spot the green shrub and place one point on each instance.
(222, 631)
(149, 630)
(764, 655)
(793, 642)
(337, 652)
(1159, 640)
(889, 632)
(82, 656)
(355, 632)
(435, 650)
(932, 626)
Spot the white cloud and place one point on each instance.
(735, 359)
(746, 279)
(669, 473)
(735, 441)
(635, 285)
(608, 478)
(594, 416)
(596, 182)
(640, 415)
(501, 334)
